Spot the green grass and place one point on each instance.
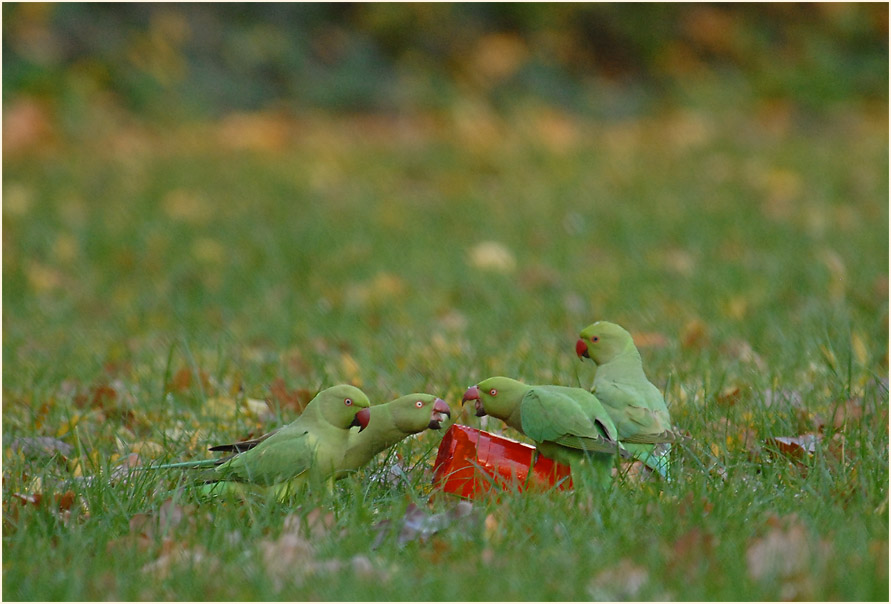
(148, 275)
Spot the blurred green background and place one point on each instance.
(606, 60)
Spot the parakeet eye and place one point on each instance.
(493, 392)
(595, 338)
(347, 401)
(419, 404)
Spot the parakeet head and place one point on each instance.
(344, 406)
(416, 412)
(602, 342)
(496, 396)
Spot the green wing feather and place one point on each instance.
(283, 456)
(551, 415)
(243, 445)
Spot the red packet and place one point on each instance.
(472, 462)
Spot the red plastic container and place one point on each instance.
(472, 462)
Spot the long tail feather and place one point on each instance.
(204, 463)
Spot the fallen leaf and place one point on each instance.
(65, 500)
(292, 557)
(743, 352)
(183, 380)
(32, 498)
(180, 556)
(261, 131)
(393, 473)
(350, 368)
(690, 550)
(40, 446)
(694, 334)
(18, 198)
(417, 524)
(103, 395)
(382, 289)
(314, 525)
(289, 399)
(187, 206)
(649, 339)
(492, 256)
(124, 469)
(27, 125)
(498, 56)
(729, 396)
(623, 581)
(786, 554)
(849, 411)
(779, 398)
(796, 446)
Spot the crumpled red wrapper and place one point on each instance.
(472, 463)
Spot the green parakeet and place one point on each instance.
(635, 405)
(388, 424)
(568, 425)
(308, 451)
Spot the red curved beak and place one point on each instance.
(440, 406)
(362, 418)
(441, 411)
(471, 394)
(581, 349)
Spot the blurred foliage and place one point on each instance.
(201, 60)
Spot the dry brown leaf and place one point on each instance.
(623, 581)
(26, 125)
(796, 446)
(289, 399)
(689, 550)
(103, 395)
(743, 352)
(40, 446)
(786, 554)
(314, 525)
(694, 334)
(32, 498)
(181, 556)
(124, 469)
(255, 131)
(649, 339)
(290, 557)
(64, 501)
(850, 411)
(729, 396)
(498, 56)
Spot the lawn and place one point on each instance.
(165, 289)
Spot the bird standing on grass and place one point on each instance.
(634, 404)
(388, 424)
(306, 452)
(568, 425)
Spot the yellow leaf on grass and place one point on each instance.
(695, 334)
(492, 256)
(859, 348)
(187, 206)
(350, 369)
